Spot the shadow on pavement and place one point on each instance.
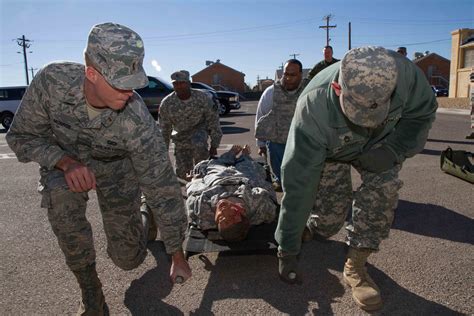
(431, 152)
(433, 221)
(232, 279)
(227, 123)
(449, 141)
(144, 295)
(239, 113)
(234, 130)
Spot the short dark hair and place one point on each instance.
(295, 62)
(329, 46)
(236, 232)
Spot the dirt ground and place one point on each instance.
(454, 103)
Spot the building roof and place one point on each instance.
(428, 56)
(213, 65)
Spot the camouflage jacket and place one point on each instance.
(224, 177)
(320, 131)
(187, 119)
(52, 121)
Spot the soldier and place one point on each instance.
(402, 50)
(326, 62)
(88, 130)
(188, 117)
(274, 113)
(230, 193)
(371, 111)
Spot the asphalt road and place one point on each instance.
(424, 268)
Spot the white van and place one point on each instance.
(10, 98)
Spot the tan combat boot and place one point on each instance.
(365, 292)
(93, 301)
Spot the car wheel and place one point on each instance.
(227, 107)
(7, 120)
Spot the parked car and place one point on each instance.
(10, 98)
(152, 95)
(440, 91)
(230, 100)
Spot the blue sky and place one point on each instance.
(254, 37)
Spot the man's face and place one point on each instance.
(291, 76)
(228, 213)
(327, 54)
(182, 89)
(103, 94)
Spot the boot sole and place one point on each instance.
(365, 307)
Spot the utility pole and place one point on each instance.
(294, 55)
(327, 27)
(24, 43)
(32, 72)
(350, 30)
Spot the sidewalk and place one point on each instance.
(454, 111)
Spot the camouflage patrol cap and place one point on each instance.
(180, 75)
(117, 53)
(368, 76)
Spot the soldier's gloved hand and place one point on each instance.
(376, 160)
(288, 268)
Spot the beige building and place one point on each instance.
(462, 62)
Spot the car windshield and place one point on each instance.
(200, 85)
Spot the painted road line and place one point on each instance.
(222, 148)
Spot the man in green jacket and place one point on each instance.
(371, 111)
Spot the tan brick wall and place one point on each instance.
(459, 77)
(218, 74)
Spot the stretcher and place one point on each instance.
(259, 238)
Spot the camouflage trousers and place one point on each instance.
(373, 205)
(119, 202)
(188, 154)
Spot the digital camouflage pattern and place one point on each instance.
(274, 126)
(373, 205)
(125, 151)
(368, 77)
(189, 124)
(228, 176)
(320, 134)
(117, 53)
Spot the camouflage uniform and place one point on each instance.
(188, 124)
(375, 136)
(225, 177)
(124, 149)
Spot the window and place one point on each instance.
(468, 58)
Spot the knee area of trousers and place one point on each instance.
(127, 262)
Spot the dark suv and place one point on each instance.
(440, 91)
(152, 95)
(229, 99)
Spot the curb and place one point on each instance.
(454, 111)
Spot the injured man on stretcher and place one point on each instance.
(229, 194)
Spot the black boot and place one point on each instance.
(93, 301)
(149, 223)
